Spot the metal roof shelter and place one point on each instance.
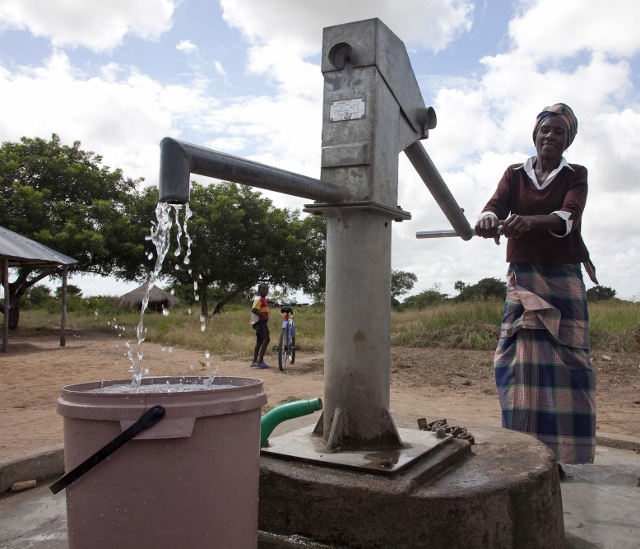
(19, 251)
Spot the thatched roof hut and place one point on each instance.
(158, 299)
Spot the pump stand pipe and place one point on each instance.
(178, 160)
(421, 161)
(290, 410)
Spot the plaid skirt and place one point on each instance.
(546, 383)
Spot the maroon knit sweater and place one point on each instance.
(516, 194)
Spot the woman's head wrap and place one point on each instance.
(565, 113)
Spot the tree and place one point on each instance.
(38, 295)
(486, 288)
(64, 198)
(71, 290)
(429, 297)
(239, 239)
(600, 293)
(401, 283)
(459, 286)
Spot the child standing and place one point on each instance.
(259, 320)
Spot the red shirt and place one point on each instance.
(516, 194)
(261, 304)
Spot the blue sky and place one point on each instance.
(243, 77)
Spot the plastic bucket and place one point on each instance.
(189, 481)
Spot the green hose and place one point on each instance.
(290, 410)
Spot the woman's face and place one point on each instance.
(551, 138)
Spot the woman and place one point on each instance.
(546, 384)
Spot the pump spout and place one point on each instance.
(178, 160)
(175, 170)
(290, 410)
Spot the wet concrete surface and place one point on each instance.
(602, 501)
(601, 509)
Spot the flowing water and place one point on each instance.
(160, 237)
(167, 215)
(160, 233)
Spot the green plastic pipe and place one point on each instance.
(290, 410)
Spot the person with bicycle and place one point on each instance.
(287, 344)
(259, 320)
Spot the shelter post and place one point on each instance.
(63, 322)
(7, 302)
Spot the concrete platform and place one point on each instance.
(601, 502)
(501, 493)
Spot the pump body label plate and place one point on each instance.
(352, 109)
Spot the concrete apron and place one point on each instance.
(600, 501)
(502, 493)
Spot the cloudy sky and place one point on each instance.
(243, 77)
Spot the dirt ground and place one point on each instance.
(433, 383)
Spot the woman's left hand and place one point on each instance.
(516, 225)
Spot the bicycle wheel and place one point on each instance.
(292, 348)
(281, 349)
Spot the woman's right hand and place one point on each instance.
(487, 227)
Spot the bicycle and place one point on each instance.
(287, 342)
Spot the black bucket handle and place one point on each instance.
(148, 419)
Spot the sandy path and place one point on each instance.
(432, 383)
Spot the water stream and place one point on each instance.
(166, 216)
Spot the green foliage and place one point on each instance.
(71, 291)
(600, 293)
(487, 288)
(428, 298)
(38, 296)
(63, 197)
(401, 283)
(188, 295)
(240, 239)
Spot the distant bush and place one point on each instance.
(429, 297)
(487, 288)
(38, 296)
(600, 293)
(71, 290)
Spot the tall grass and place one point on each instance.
(227, 334)
(469, 324)
(615, 325)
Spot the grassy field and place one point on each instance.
(615, 325)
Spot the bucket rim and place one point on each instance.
(78, 401)
(239, 383)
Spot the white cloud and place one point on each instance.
(429, 24)
(98, 26)
(220, 69)
(550, 30)
(186, 46)
(121, 115)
